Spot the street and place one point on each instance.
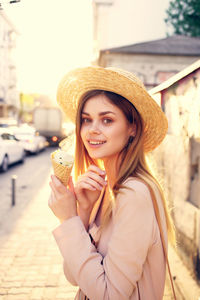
(30, 177)
(30, 263)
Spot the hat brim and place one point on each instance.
(80, 81)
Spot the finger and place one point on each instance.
(90, 182)
(56, 192)
(50, 200)
(55, 180)
(97, 170)
(94, 176)
(57, 184)
(85, 186)
(53, 189)
(71, 184)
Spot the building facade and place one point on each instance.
(154, 61)
(120, 22)
(9, 97)
(117, 24)
(178, 158)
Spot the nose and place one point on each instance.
(94, 128)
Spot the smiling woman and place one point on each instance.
(105, 129)
(114, 219)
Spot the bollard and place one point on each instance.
(13, 184)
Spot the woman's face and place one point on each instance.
(105, 130)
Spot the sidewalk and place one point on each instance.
(31, 265)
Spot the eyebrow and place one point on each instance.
(101, 113)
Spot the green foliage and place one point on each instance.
(184, 17)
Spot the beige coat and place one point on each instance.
(128, 262)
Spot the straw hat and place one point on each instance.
(76, 83)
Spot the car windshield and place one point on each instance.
(7, 136)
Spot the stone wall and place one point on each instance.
(178, 164)
(173, 163)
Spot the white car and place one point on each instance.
(11, 150)
(30, 139)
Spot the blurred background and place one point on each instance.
(40, 41)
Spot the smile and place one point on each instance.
(96, 142)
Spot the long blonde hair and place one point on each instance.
(133, 160)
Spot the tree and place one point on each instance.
(184, 17)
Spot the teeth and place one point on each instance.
(96, 143)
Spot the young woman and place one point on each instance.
(109, 235)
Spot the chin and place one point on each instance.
(97, 157)
(102, 156)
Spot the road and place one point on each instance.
(30, 177)
(30, 263)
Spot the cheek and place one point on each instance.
(121, 132)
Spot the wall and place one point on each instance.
(195, 172)
(121, 22)
(178, 164)
(151, 69)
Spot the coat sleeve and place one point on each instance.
(114, 276)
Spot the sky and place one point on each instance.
(56, 36)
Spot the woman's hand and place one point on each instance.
(87, 191)
(89, 186)
(62, 200)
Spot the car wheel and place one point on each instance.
(37, 150)
(5, 163)
(23, 157)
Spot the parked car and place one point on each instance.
(30, 139)
(11, 150)
(7, 122)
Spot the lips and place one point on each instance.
(96, 142)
